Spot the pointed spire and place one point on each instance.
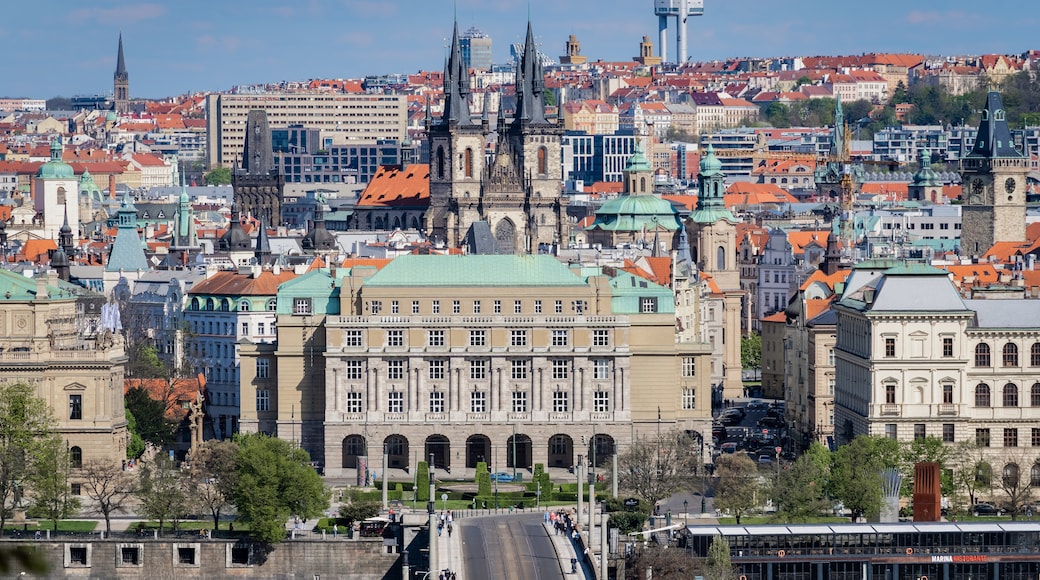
(484, 119)
(994, 137)
(120, 63)
(263, 245)
(456, 85)
(530, 83)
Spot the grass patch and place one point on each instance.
(69, 526)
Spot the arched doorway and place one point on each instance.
(478, 448)
(561, 451)
(354, 446)
(440, 448)
(505, 236)
(396, 447)
(601, 448)
(518, 451)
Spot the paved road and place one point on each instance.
(508, 548)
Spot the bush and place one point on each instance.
(617, 504)
(422, 474)
(483, 479)
(627, 522)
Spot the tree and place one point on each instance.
(135, 446)
(737, 483)
(655, 469)
(856, 473)
(801, 490)
(1015, 487)
(150, 415)
(108, 487)
(218, 176)
(751, 351)
(355, 509)
(664, 560)
(778, 115)
(928, 450)
(275, 481)
(971, 472)
(717, 565)
(161, 491)
(25, 424)
(50, 482)
(213, 477)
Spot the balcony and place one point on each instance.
(353, 417)
(395, 417)
(437, 417)
(519, 417)
(890, 409)
(561, 417)
(478, 417)
(601, 416)
(947, 408)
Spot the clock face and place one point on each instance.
(976, 187)
(1009, 185)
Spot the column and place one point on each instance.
(603, 551)
(374, 380)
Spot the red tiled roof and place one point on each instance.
(392, 186)
(235, 284)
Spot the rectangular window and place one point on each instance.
(947, 346)
(476, 307)
(435, 338)
(437, 402)
(260, 328)
(394, 307)
(478, 338)
(478, 369)
(1011, 437)
(600, 337)
(415, 307)
(377, 306)
(75, 406)
(263, 400)
(982, 437)
(436, 306)
(537, 306)
(947, 394)
(689, 399)
(560, 337)
(245, 328)
(395, 402)
(456, 307)
(647, 305)
(890, 394)
(560, 402)
(519, 401)
(353, 402)
(891, 430)
(558, 307)
(948, 433)
(478, 402)
(561, 368)
(437, 369)
(1035, 437)
(395, 370)
(352, 370)
(517, 307)
(518, 369)
(601, 401)
(352, 337)
(517, 338)
(890, 347)
(263, 368)
(920, 431)
(395, 337)
(498, 307)
(601, 369)
(302, 306)
(689, 366)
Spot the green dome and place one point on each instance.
(637, 162)
(710, 165)
(634, 212)
(926, 176)
(111, 116)
(56, 168)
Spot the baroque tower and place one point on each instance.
(993, 175)
(121, 83)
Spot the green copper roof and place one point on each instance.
(926, 176)
(632, 213)
(710, 164)
(316, 285)
(637, 162)
(628, 291)
(910, 269)
(127, 252)
(56, 168)
(433, 270)
(18, 288)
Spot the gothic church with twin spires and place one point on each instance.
(516, 197)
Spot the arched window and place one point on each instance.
(1011, 355)
(272, 305)
(194, 303)
(1011, 475)
(440, 163)
(543, 162)
(720, 258)
(982, 355)
(209, 304)
(468, 163)
(1034, 395)
(1034, 475)
(1034, 355)
(75, 457)
(243, 306)
(1010, 395)
(982, 395)
(642, 185)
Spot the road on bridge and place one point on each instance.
(513, 547)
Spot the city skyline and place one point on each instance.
(190, 46)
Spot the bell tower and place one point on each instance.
(121, 82)
(993, 175)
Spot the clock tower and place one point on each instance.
(993, 178)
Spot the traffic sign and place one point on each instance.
(779, 449)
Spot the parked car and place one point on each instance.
(502, 476)
(986, 509)
(728, 447)
(765, 458)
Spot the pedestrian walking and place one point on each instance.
(335, 530)
(449, 530)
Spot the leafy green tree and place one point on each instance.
(930, 450)
(737, 485)
(856, 474)
(109, 488)
(778, 115)
(26, 422)
(49, 482)
(135, 446)
(144, 361)
(717, 566)
(802, 80)
(422, 482)
(801, 490)
(275, 481)
(656, 468)
(218, 176)
(899, 94)
(971, 472)
(751, 351)
(483, 481)
(162, 491)
(354, 509)
(150, 415)
(212, 477)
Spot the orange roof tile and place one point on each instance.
(176, 397)
(801, 238)
(392, 186)
(36, 250)
(775, 317)
(235, 284)
(816, 306)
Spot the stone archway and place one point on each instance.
(354, 446)
(396, 448)
(561, 451)
(505, 236)
(478, 448)
(518, 451)
(439, 446)
(600, 450)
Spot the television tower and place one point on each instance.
(680, 10)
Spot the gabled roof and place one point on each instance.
(232, 283)
(391, 186)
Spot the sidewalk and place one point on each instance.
(564, 553)
(449, 552)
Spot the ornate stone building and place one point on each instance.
(519, 193)
(257, 185)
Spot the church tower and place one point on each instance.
(993, 175)
(258, 186)
(713, 239)
(121, 83)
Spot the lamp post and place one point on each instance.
(686, 512)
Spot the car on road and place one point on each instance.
(986, 509)
(765, 459)
(728, 447)
(730, 419)
(502, 476)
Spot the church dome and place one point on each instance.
(710, 165)
(635, 212)
(56, 168)
(637, 162)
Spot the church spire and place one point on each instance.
(530, 84)
(121, 82)
(120, 61)
(994, 137)
(456, 85)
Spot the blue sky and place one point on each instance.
(66, 47)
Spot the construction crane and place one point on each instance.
(847, 189)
